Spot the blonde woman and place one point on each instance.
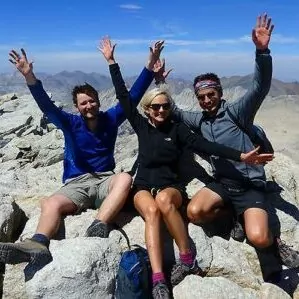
(157, 192)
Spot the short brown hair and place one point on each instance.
(86, 89)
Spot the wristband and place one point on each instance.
(264, 51)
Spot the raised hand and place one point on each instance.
(160, 73)
(107, 49)
(261, 34)
(21, 62)
(253, 157)
(155, 51)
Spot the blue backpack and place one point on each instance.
(133, 280)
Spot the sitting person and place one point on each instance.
(157, 192)
(236, 184)
(89, 180)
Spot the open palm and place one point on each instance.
(21, 62)
(261, 34)
(107, 48)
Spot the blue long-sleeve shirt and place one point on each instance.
(86, 151)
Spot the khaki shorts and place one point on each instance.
(87, 191)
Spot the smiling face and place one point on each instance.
(87, 106)
(159, 109)
(209, 99)
(208, 90)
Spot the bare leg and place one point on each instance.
(204, 206)
(168, 201)
(147, 207)
(259, 235)
(257, 228)
(118, 192)
(52, 209)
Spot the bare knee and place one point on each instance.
(122, 181)
(164, 203)
(196, 213)
(202, 206)
(53, 204)
(152, 214)
(259, 238)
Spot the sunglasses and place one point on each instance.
(156, 107)
(201, 97)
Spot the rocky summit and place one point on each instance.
(31, 153)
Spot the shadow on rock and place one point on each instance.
(274, 196)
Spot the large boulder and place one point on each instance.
(31, 168)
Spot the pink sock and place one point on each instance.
(187, 258)
(158, 277)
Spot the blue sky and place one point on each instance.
(200, 35)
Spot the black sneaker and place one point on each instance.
(237, 232)
(98, 229)
(26, 251)
(284, 280)
(38, 262)
(160, 291)
(289, 256)
(181, 270)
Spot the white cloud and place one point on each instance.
(278, 38)
(130, 6)
(275, 38)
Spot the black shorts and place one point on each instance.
(240, 198)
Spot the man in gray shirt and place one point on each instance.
(236, 184)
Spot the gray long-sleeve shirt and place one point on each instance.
(222, 129)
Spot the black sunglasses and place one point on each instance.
(156, 107)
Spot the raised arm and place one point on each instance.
(200, 145)
(148, 73)
(126, 106)
(54, 114)
(246, 107)
(142, 82)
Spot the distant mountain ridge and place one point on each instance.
(63, 82)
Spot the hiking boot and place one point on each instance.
(160, 291)
(237, 232)
(25, 251)
(289, 256)
(181, 270)
(98, 229)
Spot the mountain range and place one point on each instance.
(62, 83)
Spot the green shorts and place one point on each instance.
(87, 191)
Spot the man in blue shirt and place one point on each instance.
(89, 180)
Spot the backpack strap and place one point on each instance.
(117, 227)
(234, 119)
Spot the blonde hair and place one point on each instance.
(150, 95)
